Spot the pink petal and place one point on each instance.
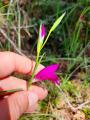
(43, 31)
(48, 73)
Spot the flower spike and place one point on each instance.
(42, 33)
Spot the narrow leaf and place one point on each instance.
(57, 22)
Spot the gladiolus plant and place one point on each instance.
(40, 44)
(48, 73)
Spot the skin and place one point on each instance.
(26, 101)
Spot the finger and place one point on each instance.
(15, 83)
(42, 93)
(10, 62)
(32, 108)
(16, 104)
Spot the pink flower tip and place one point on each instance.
(43, 31)
(48, 73)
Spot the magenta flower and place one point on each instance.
(48, 73)
(42, 32)
(41, 38)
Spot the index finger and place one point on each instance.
(12, 62)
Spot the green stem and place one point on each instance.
(46, 39)
(33, 74)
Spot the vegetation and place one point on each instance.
(69, 45)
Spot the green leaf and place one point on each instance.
(57, 22)
(6, 92)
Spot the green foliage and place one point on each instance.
(70, 88)
(35, 117)
(2, 8)
(87, 112)
(85, 84)
(54, 26)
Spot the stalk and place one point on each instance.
(66, 99)
(33, 74)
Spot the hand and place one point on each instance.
(14, 105)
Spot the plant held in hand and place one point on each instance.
(41, 43)
(48, 73)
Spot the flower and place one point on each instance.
(42, 32)
(48, 73)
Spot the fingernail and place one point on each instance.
(33, 98)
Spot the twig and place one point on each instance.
(67, 100)
(19, 18)
(41, 114)
(82, 105)
(74, 109)
(10, 4)
(25, 27)
(11, 42)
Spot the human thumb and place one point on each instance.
(12, 107)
